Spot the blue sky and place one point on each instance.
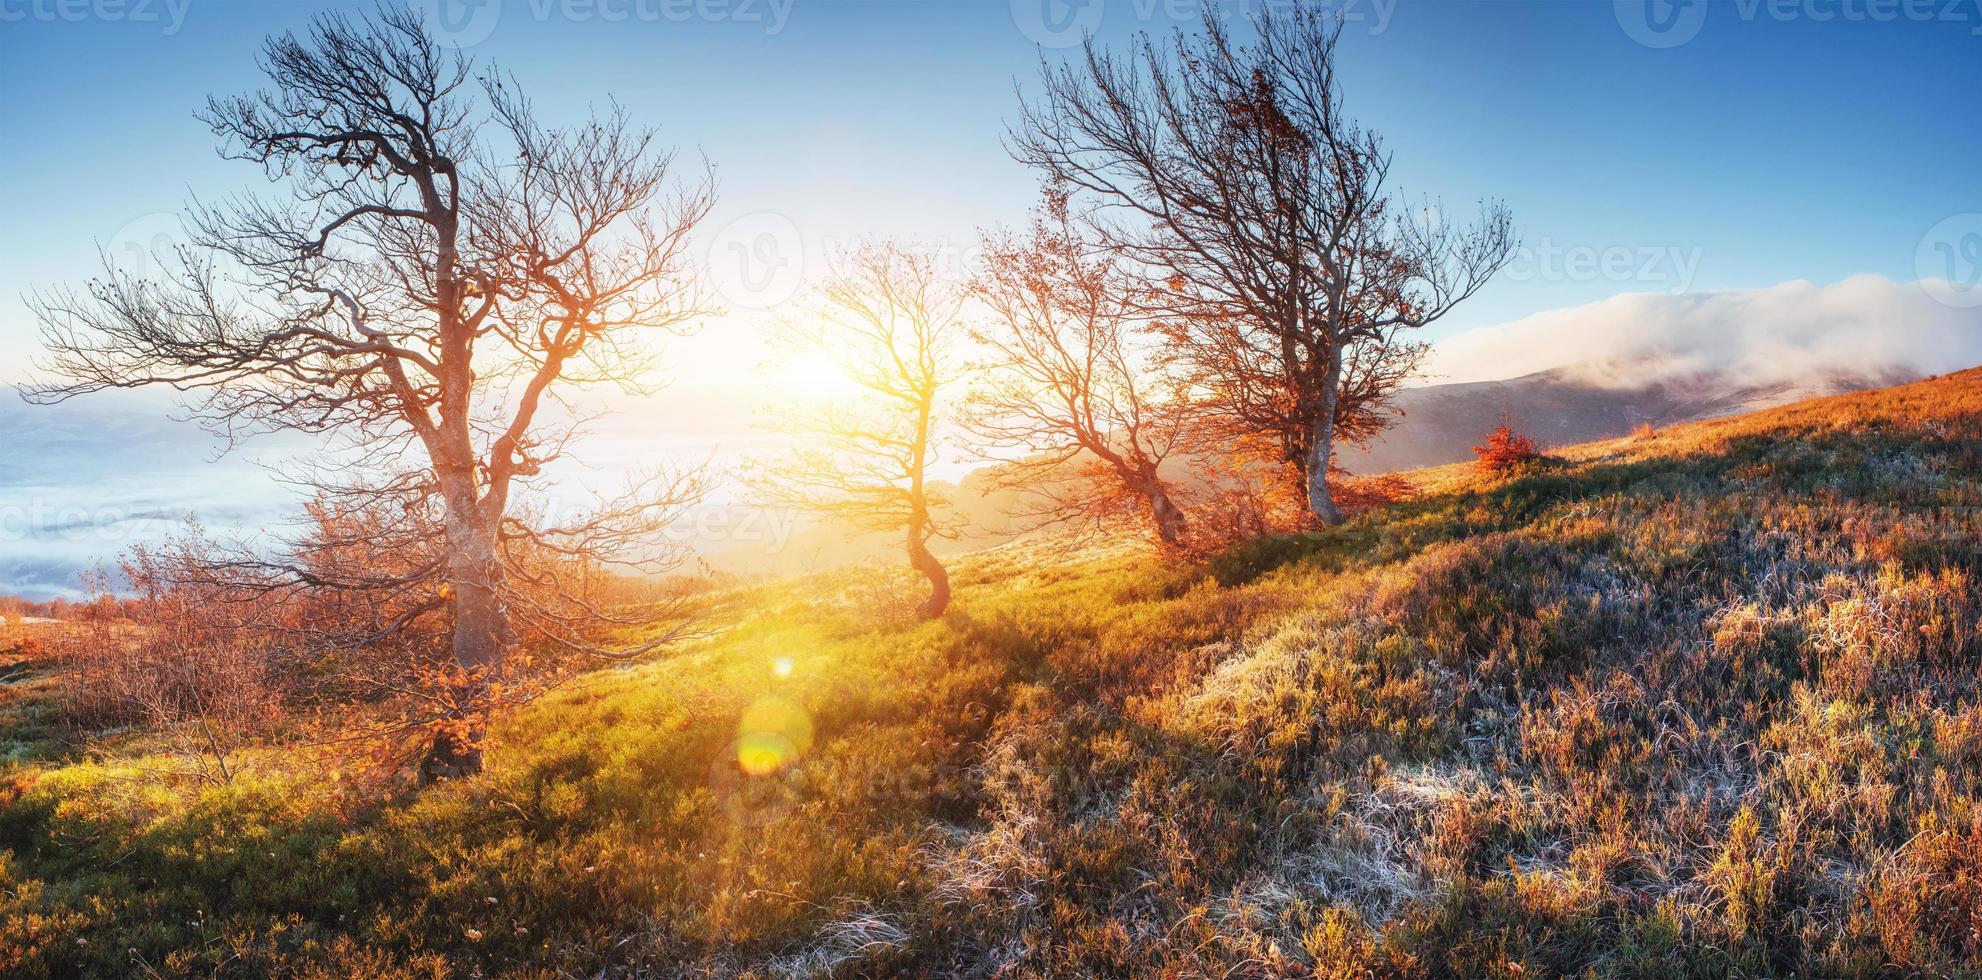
(1782, 141)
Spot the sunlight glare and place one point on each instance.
(815, 377)
(771, 734)
(763, 753)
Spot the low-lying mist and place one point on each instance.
(1795, 332)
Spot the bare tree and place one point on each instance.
(436, 266)
(888, 322)
(1231, 174)
(1068, 388)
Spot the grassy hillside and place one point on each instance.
(1581, 403)
(1702, 703)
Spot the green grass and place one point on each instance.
(30, 727)
(1702, 703)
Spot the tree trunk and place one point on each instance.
(481, 625)
(481, 642)
(933, 570)
(453, 756)
(1321, 448)
(919, 527)
(1171, 525)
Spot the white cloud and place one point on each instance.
(1796, 331)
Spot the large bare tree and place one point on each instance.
(1069, 388)
(1287, 269)
(434, 267)
(888, 322)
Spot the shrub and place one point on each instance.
(182, 663)
(1505, 451)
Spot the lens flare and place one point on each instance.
(763, 753)
(771, 734)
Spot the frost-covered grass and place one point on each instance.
(1701, 702)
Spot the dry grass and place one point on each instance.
(1699, 702)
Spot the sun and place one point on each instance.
(815, 377)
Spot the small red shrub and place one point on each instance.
(1505, 450)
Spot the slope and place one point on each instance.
(1694, 704)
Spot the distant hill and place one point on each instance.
(1441, 423)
